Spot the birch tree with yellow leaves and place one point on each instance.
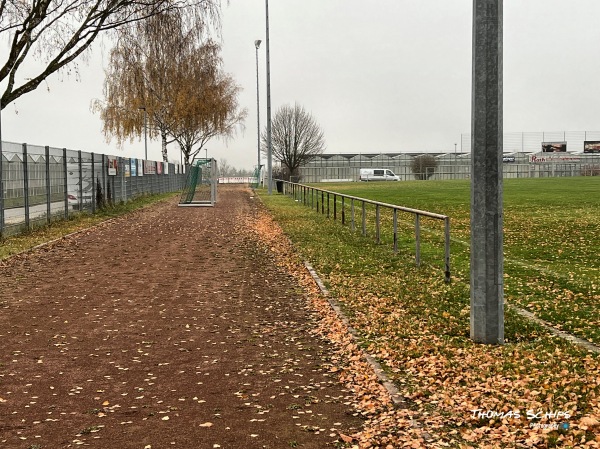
(170, 69)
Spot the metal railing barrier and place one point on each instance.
(310, 196)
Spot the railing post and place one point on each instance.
(334, 207)
(343, 211)
(327, 204)
(352, 214)
(395, 230)
(447, 250)
(377, 227)
(323, 202)
(26, 185)
(417, 241)
(364, 219)
(48, 196)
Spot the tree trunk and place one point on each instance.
(165, 156)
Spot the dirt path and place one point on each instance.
(165, 329)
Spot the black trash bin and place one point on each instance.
(279, 186)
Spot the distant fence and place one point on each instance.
(329, 203)
(346, 167)
(237, 180)
(42, 184)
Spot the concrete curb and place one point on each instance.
(562, 334)
(395, 395)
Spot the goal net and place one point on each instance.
(201, 184)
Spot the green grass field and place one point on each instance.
(419, 326)
(551, 240)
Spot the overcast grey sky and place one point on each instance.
(378, 76)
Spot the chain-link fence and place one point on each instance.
(42, 184)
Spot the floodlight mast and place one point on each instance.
(487, 262)
(257, 44)
(269, 143)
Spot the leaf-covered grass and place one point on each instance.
(551, 240)
(57, 229)
(419, 325)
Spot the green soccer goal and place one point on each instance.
(201, 184)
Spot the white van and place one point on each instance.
(377, 174)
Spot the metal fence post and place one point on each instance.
(417, 240)
(93, 185)
(323, 203)
(377, 227)
(65, 183)
(334, 207)
(80, 194)
(121, 166)
(364, 219)
(48, 196)
(447, 248)
(327, 204)
(395, 230)
(343, 212)
(26, 184)
(103, 170)
(352, 214)
(317, 202)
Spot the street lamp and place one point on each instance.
(455, 150)
(206, 149)
(145, 132)
(269, 145)
(257, 44)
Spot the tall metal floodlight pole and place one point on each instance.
(269, 144)
(257, 44)
(487, 263)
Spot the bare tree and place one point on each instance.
(58, 32)
(225, 169)
(296, 138)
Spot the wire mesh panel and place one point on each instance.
(255, 180)
(201, 184)
(57, 182)
(13, 186)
